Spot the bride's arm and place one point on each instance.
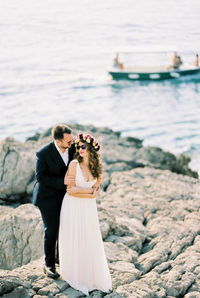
(92, 195)
(74, 190)
(71, 190)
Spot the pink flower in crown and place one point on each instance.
(88, 140)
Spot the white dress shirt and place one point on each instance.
(65, 155)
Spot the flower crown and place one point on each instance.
(87, 139)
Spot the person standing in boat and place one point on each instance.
(116, 63)
(196, 62)
(180, 62)
(177, 61)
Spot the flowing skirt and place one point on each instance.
(83, 261)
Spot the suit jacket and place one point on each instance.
(49, 189)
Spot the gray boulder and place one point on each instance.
(17, 169)
(21, 236)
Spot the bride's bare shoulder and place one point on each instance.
(74, 161)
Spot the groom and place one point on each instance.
(51, 166)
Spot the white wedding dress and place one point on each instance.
(83, 262)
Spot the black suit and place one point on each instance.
(49, 192)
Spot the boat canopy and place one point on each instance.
(147, 49)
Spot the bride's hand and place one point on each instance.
(96, 191)
(71, 190)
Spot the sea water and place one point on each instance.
(54, 58)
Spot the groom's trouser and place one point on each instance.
(51, 219)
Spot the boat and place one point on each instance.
(150, 63)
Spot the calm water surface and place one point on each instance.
(54, 57)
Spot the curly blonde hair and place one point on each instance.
(95, 164)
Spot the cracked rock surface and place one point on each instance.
(150, 222)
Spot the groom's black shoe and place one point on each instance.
(51, 272)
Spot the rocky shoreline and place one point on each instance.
(17, 160)
(148, 210)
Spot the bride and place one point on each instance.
(83, 262)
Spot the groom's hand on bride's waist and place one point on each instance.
(69, 181)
